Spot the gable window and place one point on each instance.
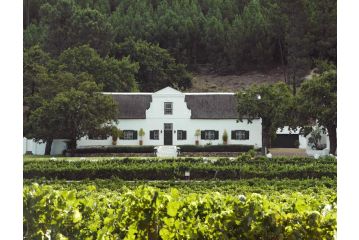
(240, 135)
(154, 135)
(181, 135)
(168, 108)
(209, 135)
(129, 135)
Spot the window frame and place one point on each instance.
(179, 135)
(241, 135)
(168, 110)
(156, 134)
(126, 133)
(208, 134)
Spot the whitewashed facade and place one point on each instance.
(181, 119)
(211, 113)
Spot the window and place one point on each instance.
(209, 135)
(240, 135)
(181, 135)
(168, 108)
(168, 126)
(154, 135)
(129, 135)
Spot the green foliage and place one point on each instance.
(157, 69)
(230, 36)
(244, 167)
(272, 103)
(34, 35)
(150, 149)
(317, 101)
(115, 134)
(89, 26)
(315, 138)
(147, 212)
(197, 133)
(115, 75)
(34, 69)
(72, 114)
(225, 136)
(141, 133)
(233, 187)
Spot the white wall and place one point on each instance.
(181, 120)
(57, 147)
(29, 145)
(303, 141)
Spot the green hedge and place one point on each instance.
(155, 169)
(113, 149)
(150, 149)
(216, 148)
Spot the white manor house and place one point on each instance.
(170, 117)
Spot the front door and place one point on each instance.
(168, 133)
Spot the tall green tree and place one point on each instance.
(317, 102)
(157, 68)
(34, 34)
(89, 26)
(58, 19)
(35, 69)
(273, 103)
(298, 40)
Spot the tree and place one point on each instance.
(317, 101)
(89, 26)
(58, 18)
(272, 103)
(116, 75)
(298, 39)
(73, 114)
(34, 69)
(157, 68)
(34, 34)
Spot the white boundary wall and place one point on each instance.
(303, 141)
(57, 147)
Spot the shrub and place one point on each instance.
(216, 148)
(225, 137)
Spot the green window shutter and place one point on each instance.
(184, 135)
(216, 135)
(134, 135)
(203, 134)
(246, 134)
(151, 134)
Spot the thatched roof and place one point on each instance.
(212, 106)
(132, 106)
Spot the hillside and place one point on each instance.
(206, 82)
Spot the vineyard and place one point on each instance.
(136, 198)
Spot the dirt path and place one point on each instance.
(232, 83)
(288, 152)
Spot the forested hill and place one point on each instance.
(131, 45)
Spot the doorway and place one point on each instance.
(168, 129)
